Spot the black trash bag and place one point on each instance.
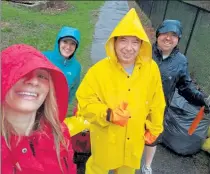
(178, 118)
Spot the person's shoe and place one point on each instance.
(146, 170)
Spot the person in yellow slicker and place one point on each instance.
(122, 98)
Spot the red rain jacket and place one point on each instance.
(35, 153)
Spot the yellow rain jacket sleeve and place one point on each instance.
(154, 121)
(107, 84)
(93, 109)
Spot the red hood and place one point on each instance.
(18, 60)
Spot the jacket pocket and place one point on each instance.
(99, 145)
(138, 148)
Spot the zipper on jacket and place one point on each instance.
(65, 61)
(66, 164)
(32, 147)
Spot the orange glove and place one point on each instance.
(149, 138)
(120, 115)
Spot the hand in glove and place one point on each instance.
(149, 138)
(119, 115)
(207, 105)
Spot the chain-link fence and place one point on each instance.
(195, 43)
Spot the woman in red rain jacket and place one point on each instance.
(34, 103)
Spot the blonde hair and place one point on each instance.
(49, 114)
(52, 117)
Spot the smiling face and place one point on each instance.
(67, 47)
(29, 93)
(167, 42)
(127, 48)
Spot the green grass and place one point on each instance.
(39, 29)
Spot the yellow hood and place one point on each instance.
(130, 25)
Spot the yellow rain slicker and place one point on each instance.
(106, 85)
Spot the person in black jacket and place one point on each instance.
(173, 66)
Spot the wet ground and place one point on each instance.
(109, 16)
(165, 161)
